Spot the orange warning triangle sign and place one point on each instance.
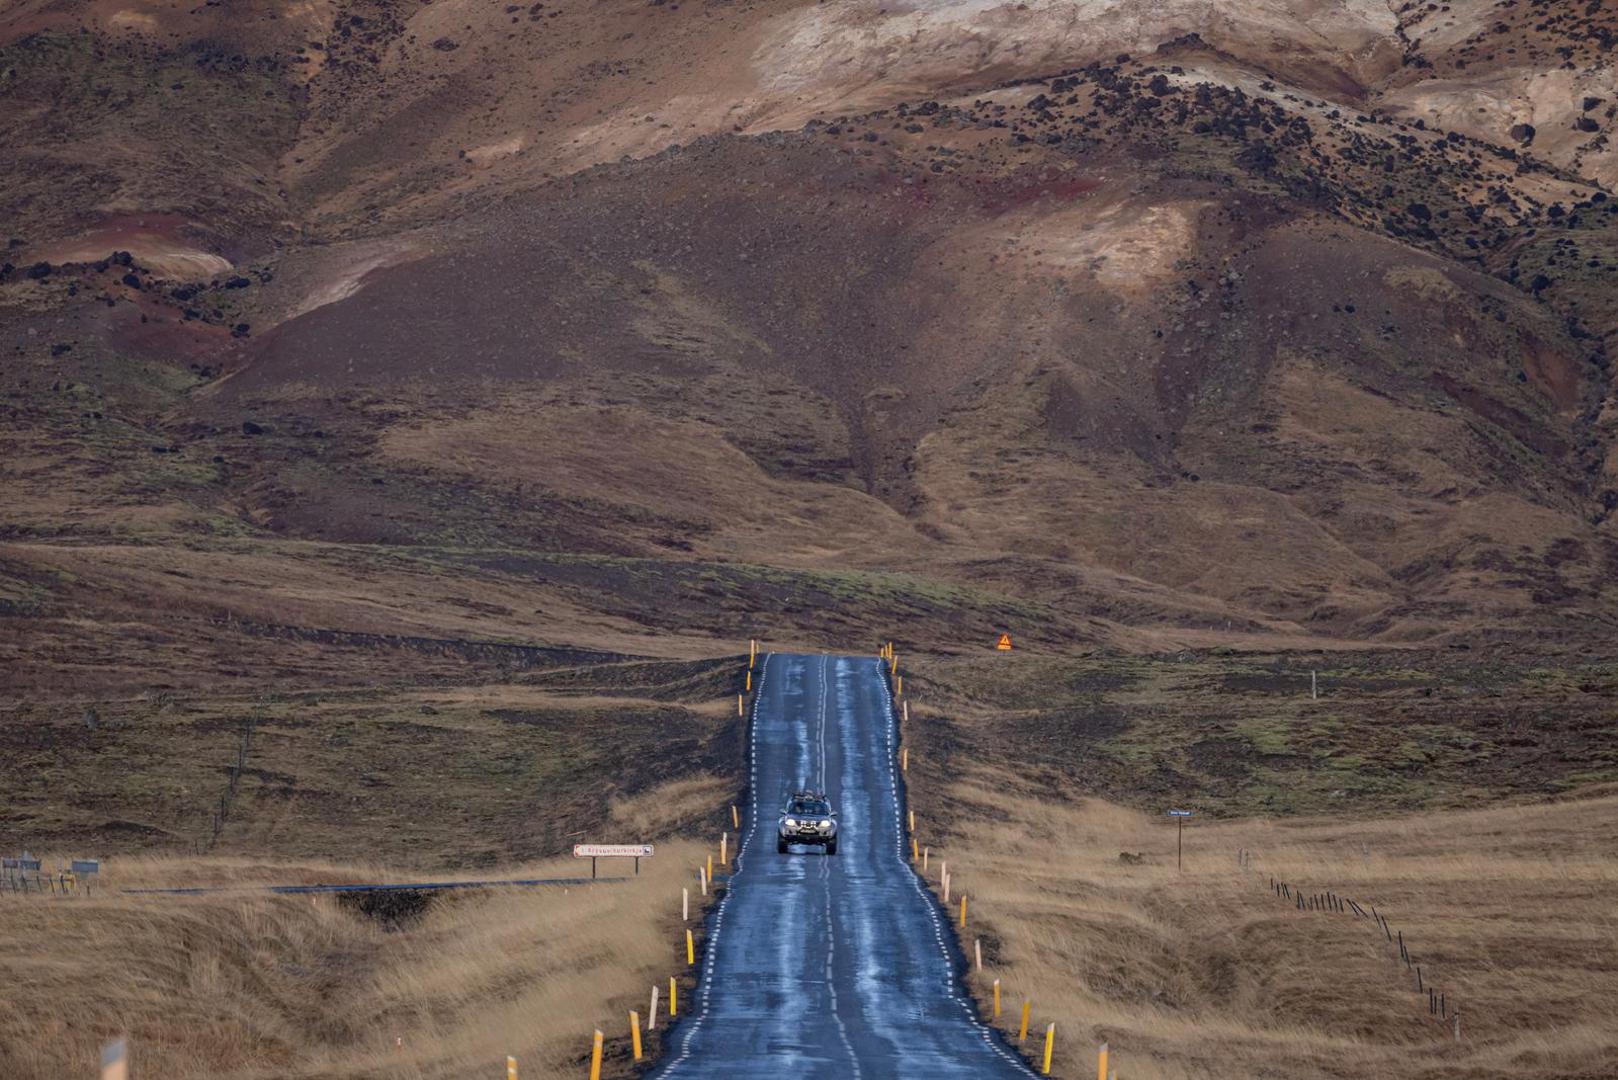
(1004, 644)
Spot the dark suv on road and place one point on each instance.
(807, 819)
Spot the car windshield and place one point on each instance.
(809, 806)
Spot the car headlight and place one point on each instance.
(789, 823)
(825, 826)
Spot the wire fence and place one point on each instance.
(1441, 1005)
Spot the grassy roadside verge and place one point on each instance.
(1203, 972)
(251, 985)
(1080, 909)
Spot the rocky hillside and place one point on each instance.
(1142, 324)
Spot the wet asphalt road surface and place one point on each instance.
(830, 966)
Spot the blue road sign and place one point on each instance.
(1179, 813)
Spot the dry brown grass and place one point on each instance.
(1205, 974)
(259, 986)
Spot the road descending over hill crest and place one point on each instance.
(830, 966)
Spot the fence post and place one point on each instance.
(977, 950)
(685, 905)
(651, 1017)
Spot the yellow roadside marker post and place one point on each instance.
(1101, 1063)
(739, 710)
(963, 911)
(912, 821)
(1050, 1045)
(914, 854)
(898, 686)
(674, 998)
(997, 999)
(724, 854)
(735, 818)
(690, 949)
(904, 765)
(749, 681)
(1022, 1032)
(634, 1033)
(893, 659)
(595, 1056)
(710, 866)
(511, 1068)
(752, 652)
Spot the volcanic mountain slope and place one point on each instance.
(1261, 330)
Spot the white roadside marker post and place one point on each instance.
(115, 1061)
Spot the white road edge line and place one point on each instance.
(953, 980)
(711, 947)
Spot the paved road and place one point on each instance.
(830, 966)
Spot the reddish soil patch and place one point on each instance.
(157, 333)
(158, 241)
(998, 196)
(1551, 372)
